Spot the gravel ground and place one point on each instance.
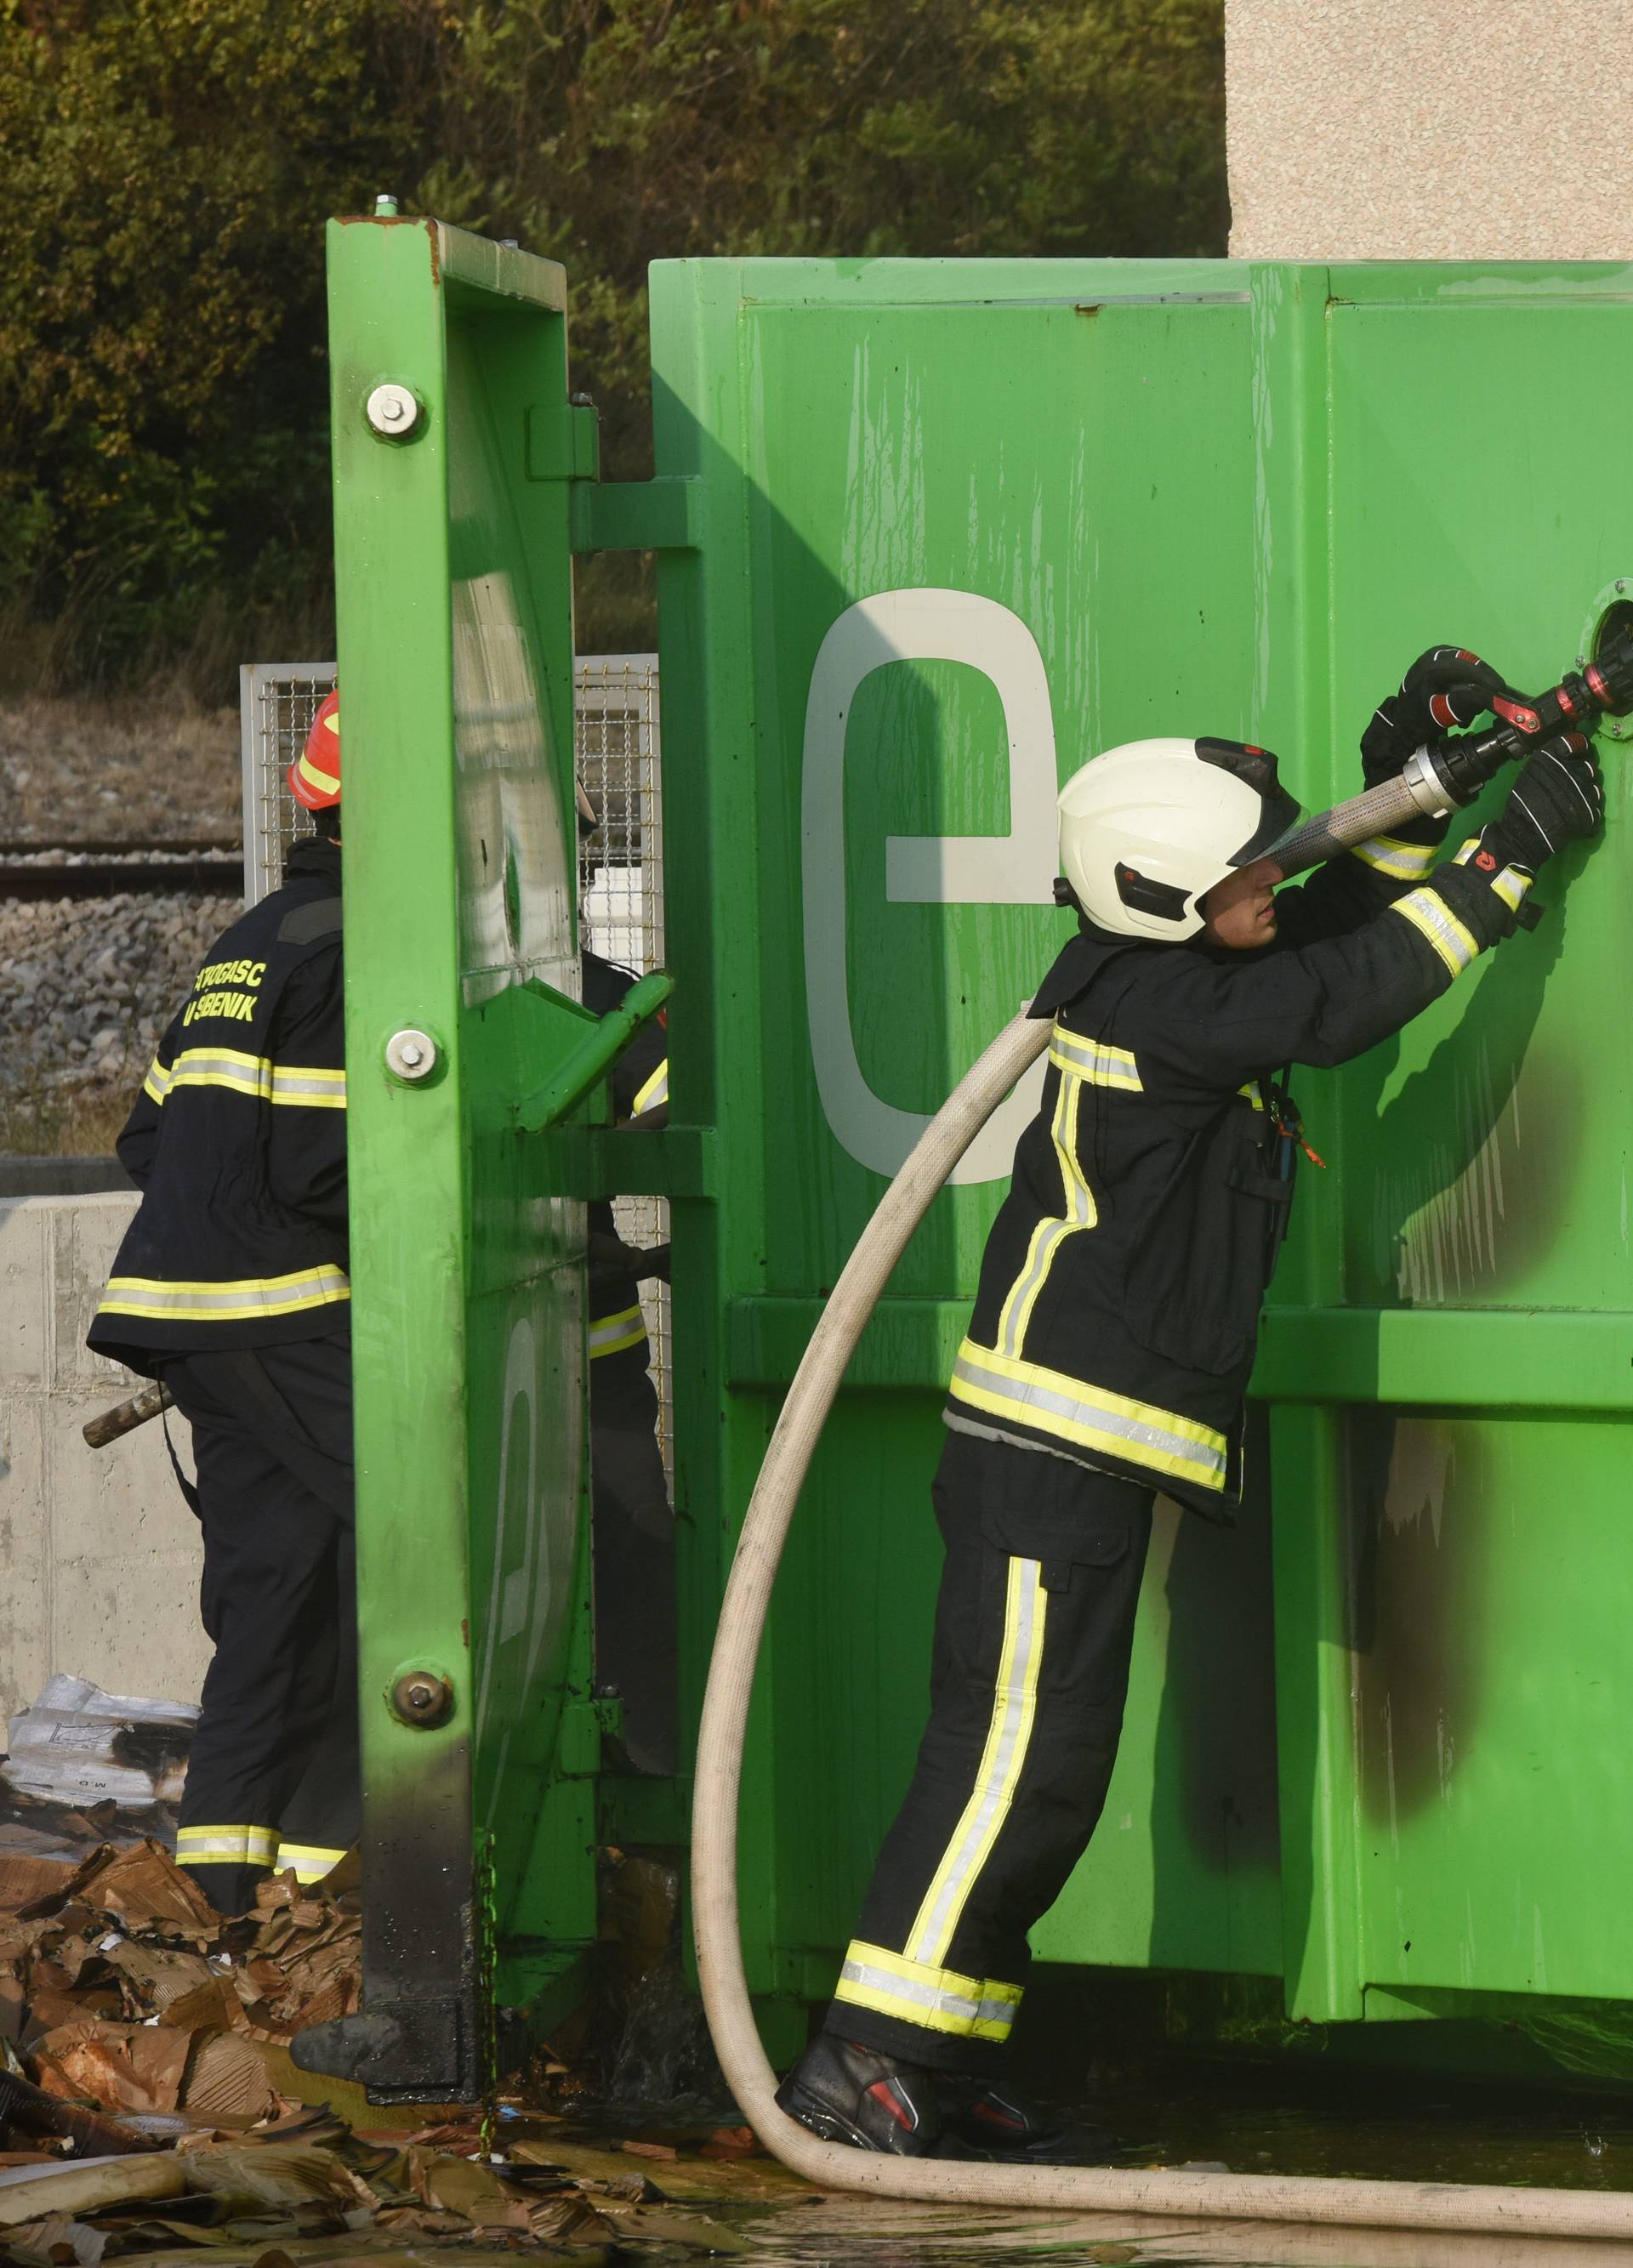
(87, 986)
(86, 989)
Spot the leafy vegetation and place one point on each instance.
(163, 458)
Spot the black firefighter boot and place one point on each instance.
(846, 2093)
(982, 2119)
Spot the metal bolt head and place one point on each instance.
(385, 206)
(392, 411)
(422, 1698)
(411, 1054)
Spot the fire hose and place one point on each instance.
(1437, 779)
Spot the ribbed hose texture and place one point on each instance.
(1323, 836)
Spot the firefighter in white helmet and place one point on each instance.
(1108, 1354)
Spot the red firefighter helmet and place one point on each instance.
(314, 775)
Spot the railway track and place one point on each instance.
(46, 871)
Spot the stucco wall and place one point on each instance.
(98, 1554)
(1442, 130)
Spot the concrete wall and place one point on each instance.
(1441, 130)
(98, 1554)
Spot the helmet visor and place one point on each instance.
(1256, 768)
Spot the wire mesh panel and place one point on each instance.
(277, 703)
(616, 736)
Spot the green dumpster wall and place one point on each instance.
(950, 529)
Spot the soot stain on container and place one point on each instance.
(1418, 1499)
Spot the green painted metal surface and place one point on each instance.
(955, 527)
(456, 652)
(930, 535)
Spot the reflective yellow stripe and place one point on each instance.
(1051, 1232)
(1402, 862)
(225, 1846)
(655, 1091)
(325, 782)
(315, 1086)
(611, 1334)
(1511, 884)
(938, 1999)
(251, 1300)
(222, 1067)
(1252, 1093)
(1089, 1416)
(1431, 917)
(310, 1084)
(1094, 1060)
(1014, 1700)
(310, 1861)
(157, 1082)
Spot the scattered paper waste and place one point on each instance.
(79, 1745)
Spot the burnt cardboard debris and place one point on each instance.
(140, 2032)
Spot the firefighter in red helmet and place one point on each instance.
(231, 1285)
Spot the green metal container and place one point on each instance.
(930, 536)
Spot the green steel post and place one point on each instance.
(455, 641)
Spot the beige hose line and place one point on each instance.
(1204, 2196)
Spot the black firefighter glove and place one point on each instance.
(1445, 688)
(1558, 799)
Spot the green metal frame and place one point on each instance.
(455, 654)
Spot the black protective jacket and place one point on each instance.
(238, 1143)
(1117, 1309)
(618, 1351)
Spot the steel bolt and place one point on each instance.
(385, 206)
(392, 411)
(422, 1698)
(411, 1055)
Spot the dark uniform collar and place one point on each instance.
(1078, 964)
(313, 855)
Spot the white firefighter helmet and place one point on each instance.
(1147, 828)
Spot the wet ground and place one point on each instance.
(1290, 2119)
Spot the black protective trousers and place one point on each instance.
(1034, 1626)
(273, 1777)
(633, 1535)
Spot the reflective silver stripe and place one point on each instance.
(309, 1085)
(1511, 886)
(883, 1983)
(903, 1988)
(1030, 1397)
(1101, 1065)
(1014, 1700)
(1017, 1307)
(1403, 862)
(271, 1297)
(1433, 919)
(198, 1067)
(1078, 1211)
(609, 1333)
(250, 1846)
(308, 1861)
